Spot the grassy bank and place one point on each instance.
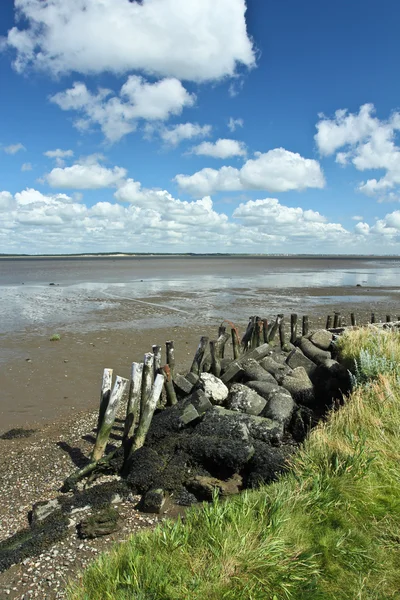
(328, 530)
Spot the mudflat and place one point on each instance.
(108, 312)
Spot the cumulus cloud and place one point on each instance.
(367, 143)
(183, 131)
(118, 115)
(233, 124)
(26, 167)
(87, 174)
(118, 36)
(59, 155)
(222, 148)
(278, 170)
(14, 148)
(357, 218)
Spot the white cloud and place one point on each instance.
(233, 124)
(26, 167)
(14, 148)
(222, 148)
(275, 171)
(59, 155)
(198, 40)
(118, 115)
(88, 174)
(357, 218)
(183, 131)
(368, 143)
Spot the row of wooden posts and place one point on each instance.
(151, 382)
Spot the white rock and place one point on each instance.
(215, 390)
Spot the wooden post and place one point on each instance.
(353, 319)
(293, 328)
(336, 320)
(248, 334)
(387, 318)
(157, 361)
(340, 321)
(265, 330)
(135, 390)
(170, 356)
(372, 317)
(235, 344)
(104, 395)
(220, 345)
(215, 362)
(282, 331)
(305, 325)
(109, 417)
(274, 328)
(169, 386)
(221, 331)
(329, 322)
(146, 416)
(198, 357)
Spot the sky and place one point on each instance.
(199, 126)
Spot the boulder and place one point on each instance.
(152, 501)
(267, 464)
(263, 388)
(225, 423)
(189, 415)
(243, 399)
(220, 455)
(301, 423)
(253, 371)
(233, 372)
(274, 368)
(300, 387)
(204, 487)
(192, 378)
(260, 352)
(102, 522)
(312, 352)
(215, 390)
(200, 401)
(279, 407)
(296, 358)
(322, 339)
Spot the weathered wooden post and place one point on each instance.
(293, 328)
(222, 331)
(198, 357)
(282, 331)
(353, 320)
(305, 327)
(387, 318)
(104, 395)
(215, 362)
(336, 320)
(104, 430)
(246, 339)
(170, 356)
(157, 360)
(265, 330)
(340, 320)
(274, 328)
(372, 317)
(135, 391)
(169, 386)
(235, 343)
(257, 332)
(328, 322)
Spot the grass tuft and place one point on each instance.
(327, 530)
(56, 337)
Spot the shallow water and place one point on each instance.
(97, 293)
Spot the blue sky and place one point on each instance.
(201, 126)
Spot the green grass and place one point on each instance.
(328, 530)
(56, 337)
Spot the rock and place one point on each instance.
(221, 455)
(215, 390)
(331, 381)
(279, 407)
(233, 372)
(277, 370)
(102, 522)
(41, 510)
(204, 487)
(182, 385)
(185, 498)
(152, 501)
(301, 423)
(301, 374)
(243, 399)
(322, 339)
(189, 415)
(312, 352)
(18, 432)
(253, 371)
(267, 464)
(296, 358)
(260, 352)
(200, 401)
(300, 388)
(192, 378)
(263, 388)
(222, 421)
